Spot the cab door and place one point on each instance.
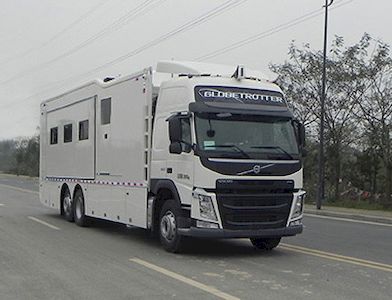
(180, 166)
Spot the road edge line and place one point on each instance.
(347, 219)
(209, 289)
(337, 257)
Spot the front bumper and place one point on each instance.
(227, 233)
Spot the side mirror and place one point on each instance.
(175, 130)
(175, 148)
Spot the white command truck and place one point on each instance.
(211, 151)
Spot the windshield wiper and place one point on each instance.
(276, 148)
(231, 146)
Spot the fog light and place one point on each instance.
(298, 206)
(296, 222)
(206, 207)
(204, 224)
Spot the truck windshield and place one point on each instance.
(239, 136)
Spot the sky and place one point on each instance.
(48, 47)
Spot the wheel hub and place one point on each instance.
(67, 204)
(168, 226)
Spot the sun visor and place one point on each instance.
(200, 107)
(217, 99)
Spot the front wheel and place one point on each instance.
(265, 243)
(168, 234)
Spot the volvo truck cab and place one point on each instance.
(229, 152)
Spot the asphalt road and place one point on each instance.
(44, 257)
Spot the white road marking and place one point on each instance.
(18, 189)
(337, 257)
(1, 204)
(43, 223)
(347, 220)
(209, 289)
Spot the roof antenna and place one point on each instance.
(172, 75)
(239, 72)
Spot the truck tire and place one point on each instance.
(67, 205)
(168, 234)
(79, 209)
(265, 243)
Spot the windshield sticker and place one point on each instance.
(209, 145)
(214, 94)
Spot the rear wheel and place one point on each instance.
(79, 209)
(168, 234)
(67, 206)
(265, 243)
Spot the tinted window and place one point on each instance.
(186, 135)
(106, 110)
(242, 135)
(67, 133)
(83, 130)
(53, 135)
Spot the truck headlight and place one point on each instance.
(299, 206)
(206, 206)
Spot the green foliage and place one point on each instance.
(7, 158)
(358, 117)
(310, 172)
(20, 157)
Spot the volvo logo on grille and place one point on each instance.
(256, 169)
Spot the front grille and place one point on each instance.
(254, 204)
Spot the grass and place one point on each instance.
(358, 205)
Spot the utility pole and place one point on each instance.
(321, 162)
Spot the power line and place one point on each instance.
(185, 27)
(118, 23)
(190, 24)
(267, 33)
(81, 45)
(56, 36)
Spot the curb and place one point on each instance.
(352, 216)
(7, 175)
